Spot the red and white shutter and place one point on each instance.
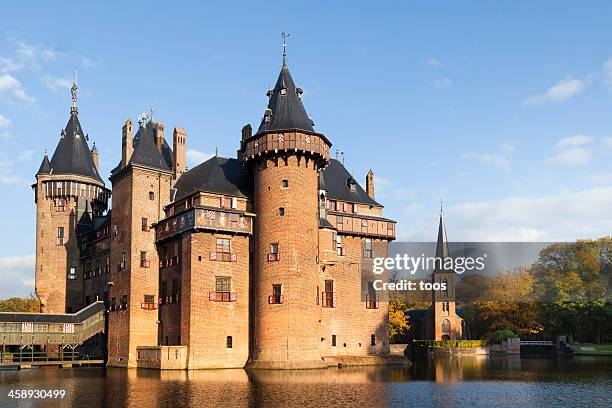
(213, 256)
(334, 300)
(233, 258)
(27, 327)
(212, 296)
(281, 138)
(270, 299)
(233, 297)
(222, 202)
(68, 327)
(282, 299)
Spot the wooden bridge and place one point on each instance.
(28, 339)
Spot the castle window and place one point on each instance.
(234, 219)
(234, 202)
(333, 340)
(72, 273)
(228, 342)
(61, 204)
(273, 255)
(224, 249)
(149, 299)
(164, 292)
(144, 262)
(334, 241)
(339, 221)
(124, 301)
(151, 195)
(60, 236)
(277, 297)
(373, 340)
(318, 294)
(339, 247)
(329, 297)
(283, 91)
(445, 291)
(175, 290)
(281, 211)
(333, 205)
(367, 248)
(113, 304)
(144, 224)
(285, 183)
(223, 287)
(98, 269)
(371, 297)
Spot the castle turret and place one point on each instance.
(286, 155)
(68, 193)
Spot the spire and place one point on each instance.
(73, 91)
(284, 38)
(285, 110)
(442, 244)
(45, 167)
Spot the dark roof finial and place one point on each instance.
(284, 38)
(73, 92)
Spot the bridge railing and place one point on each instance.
(58, 329)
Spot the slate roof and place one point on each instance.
(146, 152)
(45, 166)
(218, 175)
(336, 180)
(72, 154)
(287, 109)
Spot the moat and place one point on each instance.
(443, 382)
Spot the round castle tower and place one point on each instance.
(286, 155)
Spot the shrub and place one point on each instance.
(449, 343)
(501, 335)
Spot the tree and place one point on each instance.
(17, 304)
(398, 320)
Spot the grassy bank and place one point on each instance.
(589, 349)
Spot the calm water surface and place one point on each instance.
(449, 382)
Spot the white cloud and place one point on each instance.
(26, 56)
(195, 157)
(57, 83)
(26, 155)
(11, 89)
(572, 151)
(434, 62)
(494, 160)
(573, 141)
(5, 122)
(606, 141)
(599, 179)
(560, 92)
(7, 174)
(567, 215)
(573, 156)
(442, 83)
(508, 147)
(17, 275)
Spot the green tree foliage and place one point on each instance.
(17, 304)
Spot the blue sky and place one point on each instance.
(503, 109)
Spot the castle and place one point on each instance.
(263, 260)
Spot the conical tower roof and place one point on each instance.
(285, 108)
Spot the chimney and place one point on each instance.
(96, 157)
(370, 184)
(159, 136)
(127, 141)
(180, 151)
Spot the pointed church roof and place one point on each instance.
(442, 243)
(45, 166)
(72, 154)
(285, 109)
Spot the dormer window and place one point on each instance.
(283, 91)
(352, 184)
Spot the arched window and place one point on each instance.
(445, 282)
(445, 326)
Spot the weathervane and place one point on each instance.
(73, 92)
(284, 38)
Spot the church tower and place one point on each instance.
(68, 192)
(286, 155)
(444, 324)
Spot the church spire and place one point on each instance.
(442, 243)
